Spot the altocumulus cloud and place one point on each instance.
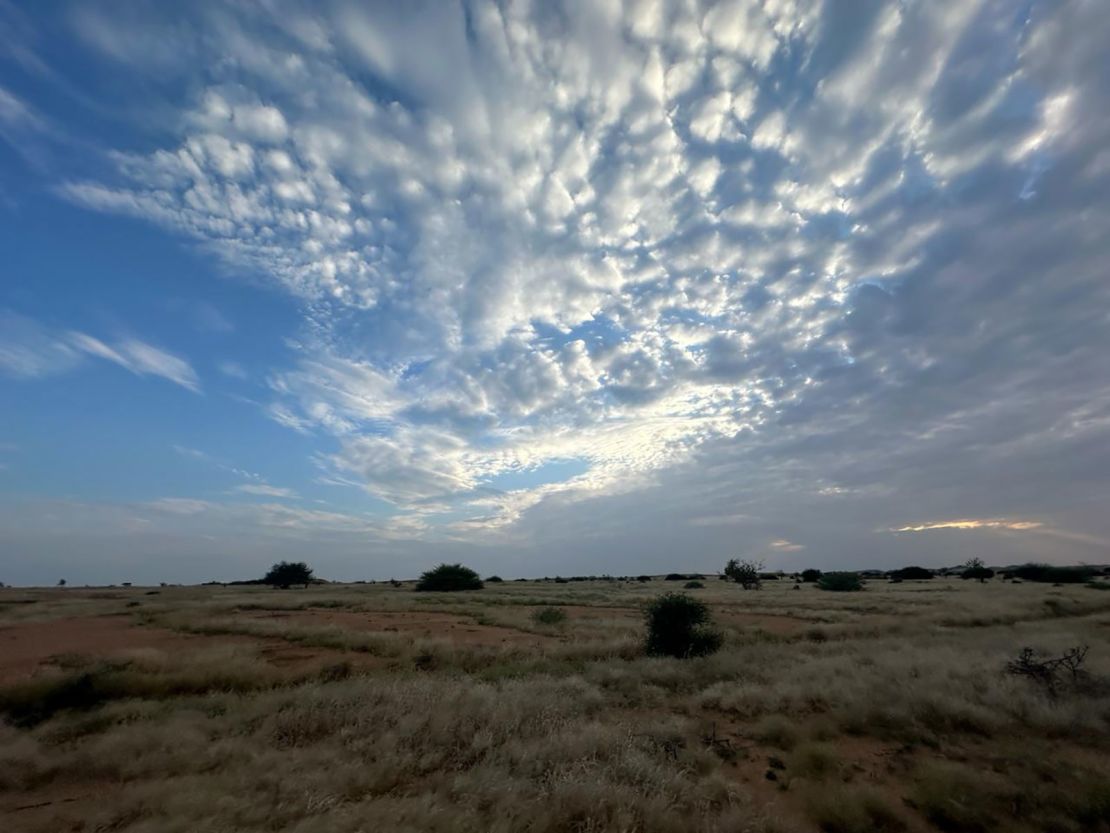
(803, 269)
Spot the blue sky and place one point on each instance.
(551, 288)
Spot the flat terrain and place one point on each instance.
(374, 708)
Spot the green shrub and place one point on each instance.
(1048, 574)
(693, 585)
(448, 578)
(549, 616)
(913, 573)
(744, 573)
(679, 626)
(840, 582)
(811, 575)
(285, 574)
(495, 579)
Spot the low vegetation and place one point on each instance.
(549, 616)
(543, 706)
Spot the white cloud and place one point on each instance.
(30, 350)
(619, 238)
(265, 490)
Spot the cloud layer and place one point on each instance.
(713, 263)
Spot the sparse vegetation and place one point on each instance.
(535, 708)
(693, 585)
(549, 616)
(448, 578)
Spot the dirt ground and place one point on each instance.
(30, 648)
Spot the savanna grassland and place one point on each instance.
(374, 708)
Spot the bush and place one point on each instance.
(680, 626)
(287, 573)
(744, 573)
(674, 577)
(448, 578)
(811, 575)
(495, 579)
(840, 582)
(912, 573)
(549, 616)
(643, 578)
(980, 573)
(1048, 574)
(693, 585)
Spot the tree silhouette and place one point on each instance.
(974, 568)
(744, 573)
(449, 577)
(284, 574)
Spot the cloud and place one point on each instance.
(782, 545)
(1018, 526)
(265, 490)
(734, 258)
(233, 370)
(30, 350)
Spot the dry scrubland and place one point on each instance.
(373, 708)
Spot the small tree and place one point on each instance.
(61, 582)
(974, 568)
(840, 582)
(495, 579)
(744, 573)
(448, 578)
(285, 574)
(811, 575)
(680, 626)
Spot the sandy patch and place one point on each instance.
(27, 648)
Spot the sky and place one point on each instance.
(551, 288)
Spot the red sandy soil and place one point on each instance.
(26, 647)
(29, 647)
(426, 624)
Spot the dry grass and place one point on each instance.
(884, 710)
